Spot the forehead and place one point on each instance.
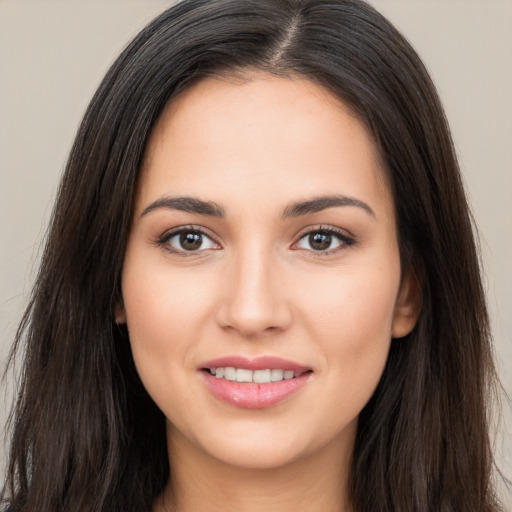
(274, 136)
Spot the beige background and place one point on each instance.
(54, 53)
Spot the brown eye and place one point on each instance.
(191, 241)
(320, 241)
(325, 241)
(187, 240)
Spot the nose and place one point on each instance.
(254, 296)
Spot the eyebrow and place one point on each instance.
(210, 208)
(186, 204)
(319, 204)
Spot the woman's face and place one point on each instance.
(263, 246)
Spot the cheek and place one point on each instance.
(351, 319)
(352, 306)
(164, 313)
(160, 298)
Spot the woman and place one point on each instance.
(260, 289)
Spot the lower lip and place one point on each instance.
(249, 395)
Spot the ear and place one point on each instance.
(408, 305)
(119, 313)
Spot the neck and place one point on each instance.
(315, 483)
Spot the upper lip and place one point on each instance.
(256, 363)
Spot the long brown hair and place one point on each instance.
(85, 434)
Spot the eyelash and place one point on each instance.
(346, 240)
(163, 240)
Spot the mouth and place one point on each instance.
(258, 376)
(254, 383)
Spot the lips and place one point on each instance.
(254, 383)
(259, 376)
(257, 363)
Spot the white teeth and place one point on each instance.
(261, 376)
(258, 376)
(230, 373)
(276, 375)
(243, 375)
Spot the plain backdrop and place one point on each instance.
(54, 53)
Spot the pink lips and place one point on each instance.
(258, 363)
(253, 395)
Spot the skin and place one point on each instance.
(256, 286)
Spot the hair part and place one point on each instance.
(86, 435)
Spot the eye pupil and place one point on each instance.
(191, 241)
(320, 241)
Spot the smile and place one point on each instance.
(254, 383)
(258, 376)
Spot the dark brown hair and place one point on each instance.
(85, 434)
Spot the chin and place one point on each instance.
(259, 456)
(265, 446)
